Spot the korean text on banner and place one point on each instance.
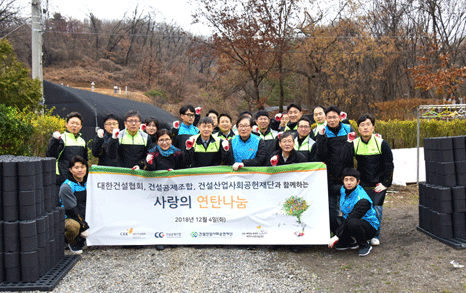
(283, 205)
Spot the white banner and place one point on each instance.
(214, 205)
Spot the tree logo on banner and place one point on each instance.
(295, 206)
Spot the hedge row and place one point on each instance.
(403, 133)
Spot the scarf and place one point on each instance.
(168, 152)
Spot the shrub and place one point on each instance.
(14, 132)
(43, 126)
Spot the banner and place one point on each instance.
(212, 205)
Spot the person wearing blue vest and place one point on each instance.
(359, 222)
(72, 195)
(65, 146)
(330, 141)
(187, 128)
(130, 145)
(248, 148)
(100, 147)
(375, 163)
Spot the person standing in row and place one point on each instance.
(319, 118)
(266, 133)
(225, 124)
(65, 146)
(248, 149)
(100, 147)
(304, 144)
(131, 144)
(204, 150)
(184, 130)
(331, 140)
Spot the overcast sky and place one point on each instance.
(171, 11)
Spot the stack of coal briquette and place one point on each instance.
(31, 223)
(442, 198)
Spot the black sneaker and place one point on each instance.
(365, 250)
(76, 248)
(343, 246)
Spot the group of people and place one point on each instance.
(355, 196)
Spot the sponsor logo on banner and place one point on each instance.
(134, 235)
(211, 234)
(159, 235)
(172, 235)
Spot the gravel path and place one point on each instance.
(185, 269)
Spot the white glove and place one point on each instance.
(378, 135)
(100, 133)
(135, 168)
(333, 241)
(85, 233)
(274, 160)
(115, 133)
(56, 135)
(226, 145)
(279, 117)
(150, 158)
(142, 127)
(198, 110)
(321, 129)
(379, 188)
(255, 129)
(170, 169)
(176, 124)
(190, 143)
(236, 166)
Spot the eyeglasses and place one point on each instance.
(164, 140)
(133, 121)
(112, 123)
(287, 141)
(244, 126)
(189, 115)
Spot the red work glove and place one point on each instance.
(351, 136)
(176, 124)
(142, 127)
(274, 160)
(56, 135)
(378, 135)
(236, 166)
(150, 158)
(255, 129)
(225, 145)
(190, 143)
(170, 170)
(343, 115)
(280, 134)
(115, 133)
(279, 117)
(135, 168)
(333, 241)
(198, 110)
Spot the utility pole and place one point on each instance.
(36, 13)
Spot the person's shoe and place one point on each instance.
(364, 250)
(76, 248)
(375, 241)
(160, 247)
(344, 246)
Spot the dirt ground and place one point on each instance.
(406, 261)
